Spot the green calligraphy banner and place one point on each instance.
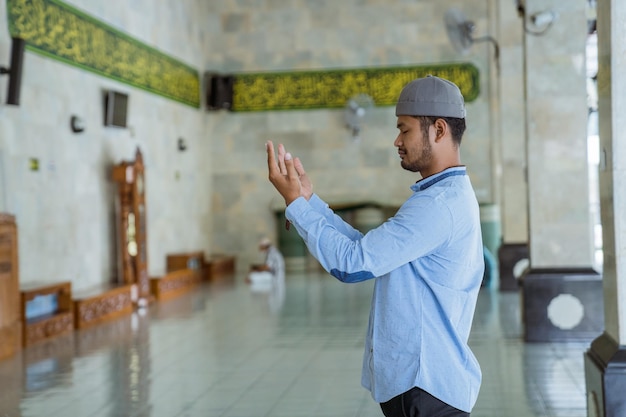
(332, 88)
(60, 31)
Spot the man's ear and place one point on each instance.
(441, 128)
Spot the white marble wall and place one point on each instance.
(299, 34)
(215, 196)
(560, 218)
(612, 175)
(65, 210)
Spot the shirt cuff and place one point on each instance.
(296, 208)
(317, 203)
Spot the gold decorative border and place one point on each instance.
(331, 89)
(62, 32)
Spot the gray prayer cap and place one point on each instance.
(431, 96)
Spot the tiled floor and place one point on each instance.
(226, 351)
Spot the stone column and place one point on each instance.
(562, 293)
(605, 361)
(513, 252)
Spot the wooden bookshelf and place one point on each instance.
(50, 324)
(10, 317)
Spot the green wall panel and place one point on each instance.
(332, 88)
(60, 31)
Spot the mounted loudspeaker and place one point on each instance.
(15, 71)
(115, 108)
(219, 91)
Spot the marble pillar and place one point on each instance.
(605, 361)
(513, 252)
(561, 291)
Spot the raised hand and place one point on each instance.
(306, 186)
(283, 174)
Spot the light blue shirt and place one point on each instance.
(428, 264)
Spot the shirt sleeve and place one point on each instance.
(421, 225)
(336, 221)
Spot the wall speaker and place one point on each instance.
(219, 91)
(115, 108)
(15, 71)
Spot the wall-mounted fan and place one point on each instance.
(461, 34)
(355, 112)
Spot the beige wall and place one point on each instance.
(329, 34)
(215, 196)
(64, 211)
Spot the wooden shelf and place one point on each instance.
(10, 339)
(10, 317)
(184, 260)
(215, 267)
(175, 283)
(220, 266)
(49, 325)
(102, 303)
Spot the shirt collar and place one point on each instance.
(424, 183)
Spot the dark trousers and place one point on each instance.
(418, 403)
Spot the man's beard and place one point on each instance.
(424, 159)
